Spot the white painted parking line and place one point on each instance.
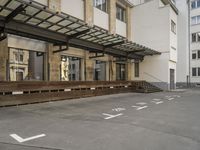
(156, 99)
(118, 109)
(139, 107)
(170, 99)
(21, 140)
(141, 103)
(111, 116)
(160, 102)
(142, 108)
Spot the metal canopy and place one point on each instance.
(31, 19)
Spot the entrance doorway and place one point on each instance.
(19, 76)
(172, 79)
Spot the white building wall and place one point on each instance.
(183, 42)
(73, 7)
(156, 34)
(194, 47)
(101, 19)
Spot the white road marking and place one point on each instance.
(111, 116)
(139, 107)
(170, 99)
(21, 140)
(118, 109)
(156, 99)
(159, 102)
(141, 103)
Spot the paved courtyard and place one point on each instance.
(132, 121)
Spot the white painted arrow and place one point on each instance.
(21, 140)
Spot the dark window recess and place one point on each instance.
(120, 13)
(198, 71)
(194, 37)
(198, 52)
(194, 56)
(194, 72)
(193, 5)
(198, 37)
(173, 26)
(137, 70)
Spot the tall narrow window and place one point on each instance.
(121, 13)
(198, 71)
(101, 4)
(194, 37)
(198, 53)
(173, 26)
(194, 72)
(193, 4)
(193, 20)
(70, 68)
(194, 55)
(137, 70)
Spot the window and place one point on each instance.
(195, 20)
(198, 71)
(120, 71)
(195, 4)
(25, 65)
(70, 68)
(198, 37)
(194, 55)
(194, 72)
(99, 70)
(121, 13)
(136, 69)
(198, 53)
(173, 26)
(194, 37)
(101, 4)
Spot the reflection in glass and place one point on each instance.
(70, 68)
(120, 70)
(25, 65)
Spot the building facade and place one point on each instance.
(87, 40)
(194, 45)
(155, 25)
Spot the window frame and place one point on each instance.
(194, 53)
(101, 5)
(194, 72)
(173, 26)
(122, 16)
(137, 70)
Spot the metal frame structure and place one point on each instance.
(30, 19)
